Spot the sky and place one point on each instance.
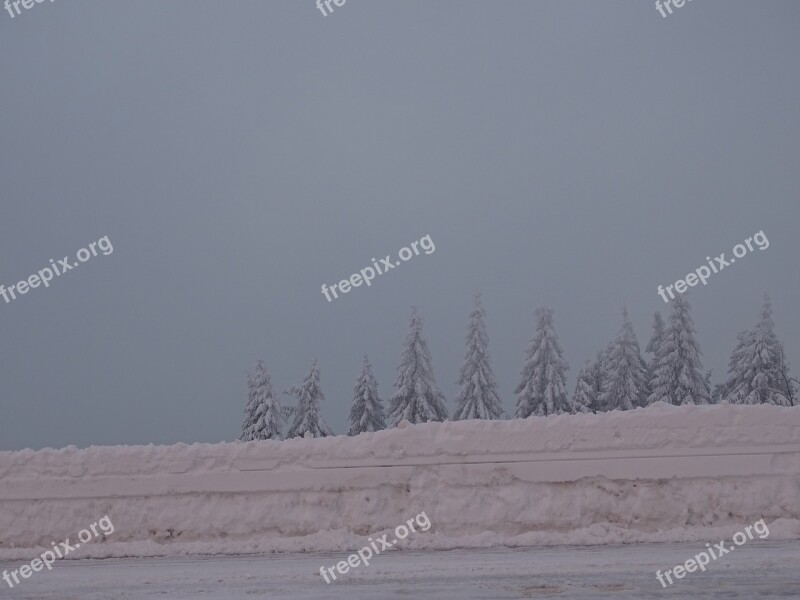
(566, 153)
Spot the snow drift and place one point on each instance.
(663, 473)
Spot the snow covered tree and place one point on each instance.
(737, 359)
(600, 373)
(718, 393)
(758, 373)
(478, 397)
(307, 417)
(542, 388)
(655, 340)
(417, 398)
(709, 387)
(264, 413)
(366, 414)
(677, 377)
(587, 389)
(626, 382)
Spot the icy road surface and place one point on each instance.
(758, 569)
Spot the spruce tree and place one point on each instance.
(655, 340)
(718, 394)
(626, 383)
(264, 413)
(587, 391)
(542, 387)
(307, 416)
(478, 397)
(366, 413)
(417, 398)
(709, 387)
(677, 375)
(722, 390)
(598, 377)
(758, 373)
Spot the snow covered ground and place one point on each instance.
(758, 569)
(660, 474)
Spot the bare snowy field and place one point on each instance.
(758, 569)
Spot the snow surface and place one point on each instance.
(663, 473)
(758, 569)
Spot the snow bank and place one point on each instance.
(658, 474)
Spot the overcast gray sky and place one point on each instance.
(238, 155)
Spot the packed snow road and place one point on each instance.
(759, 569)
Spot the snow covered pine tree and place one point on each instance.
(598, 377)
(655, 340)
(677, 376)
(478, 397)
(264, 413)
(417, 398)
(625, 386)
(758, 373)
(366, 414)
(586, 390)
(307, 418)
(542, 389)
(736, 368)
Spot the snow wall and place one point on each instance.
(662, 473)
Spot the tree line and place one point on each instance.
(619, 378)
